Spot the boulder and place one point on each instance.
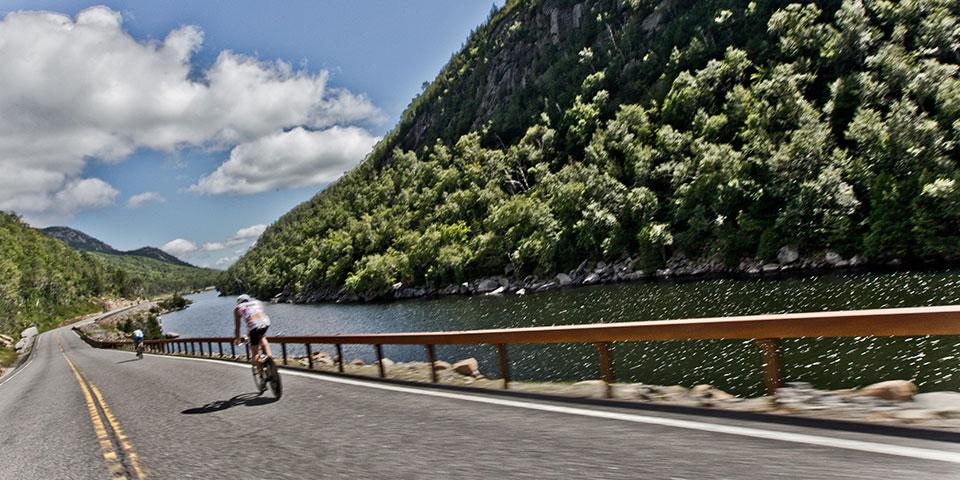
(938, 401)
(496, 291)
(387, 363)
(441, 365)
(467, 367)
(546, 286)
(832, 258)
(357, 362)
(634, 276)
(895, 390)
(710, 392)
(770, 267)
(28, 332)
(522, 291)
(323, 358)
(856, 261)
(563, 279)
(591, 279)
(788, 254)
(487, 285)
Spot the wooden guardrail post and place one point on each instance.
(247, 347)
(340, 357)
(201, 348)
(379, 349)
(772, 374)
(220, 349)
(233, 351)
(432, 358)
(606, 372)
(283, 347)
(504, 364)
(309, 356)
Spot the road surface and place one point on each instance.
(77, 412)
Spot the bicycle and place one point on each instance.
(139, 349)
(270, 375)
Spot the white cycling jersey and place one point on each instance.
(252, 314)
(138, 333)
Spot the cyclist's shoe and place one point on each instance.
(263, 385)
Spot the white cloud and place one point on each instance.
(295, 158)
(179, 247)
(213, 246)
(75, 89)
(226, 261)
(144, 198)
(247, 235)
(253, 231)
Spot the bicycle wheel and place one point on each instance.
(257, 381)
(274, 375)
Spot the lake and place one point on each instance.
(731, 365)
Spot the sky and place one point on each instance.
(191, 126)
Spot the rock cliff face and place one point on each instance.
(520, 46)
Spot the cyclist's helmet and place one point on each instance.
(243, 299)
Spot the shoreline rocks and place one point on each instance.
(790, 261)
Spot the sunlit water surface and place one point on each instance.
(731, 365)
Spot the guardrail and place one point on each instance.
(767, 330)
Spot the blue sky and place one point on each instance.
(368, 57)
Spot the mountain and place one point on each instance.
(714, 130)
(156, 253)
(83, 242)
(78, 240)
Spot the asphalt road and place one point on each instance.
(180, 418)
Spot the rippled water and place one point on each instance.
(731, 365)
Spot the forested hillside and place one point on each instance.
(43, 281)
(710, 129)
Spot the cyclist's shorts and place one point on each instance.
(137, 339)
(256, 334)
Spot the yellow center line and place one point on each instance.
(114, 466)
(118, 432)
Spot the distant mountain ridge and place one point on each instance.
(83, 242)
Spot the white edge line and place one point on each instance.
(33, 349)
(817, 440)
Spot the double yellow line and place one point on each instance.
(94, 399)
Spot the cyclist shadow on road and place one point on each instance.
(128, 361)
(245, 399)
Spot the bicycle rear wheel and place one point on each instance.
(257, 381)
(274, 375)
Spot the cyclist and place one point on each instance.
(250, 311)
(137, 339)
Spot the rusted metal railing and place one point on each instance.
(767, 330)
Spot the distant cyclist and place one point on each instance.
(250, 312)
(137, 338)
(138, 342)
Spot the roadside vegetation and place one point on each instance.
(147, 321)
(714, 129)
(44, 282)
